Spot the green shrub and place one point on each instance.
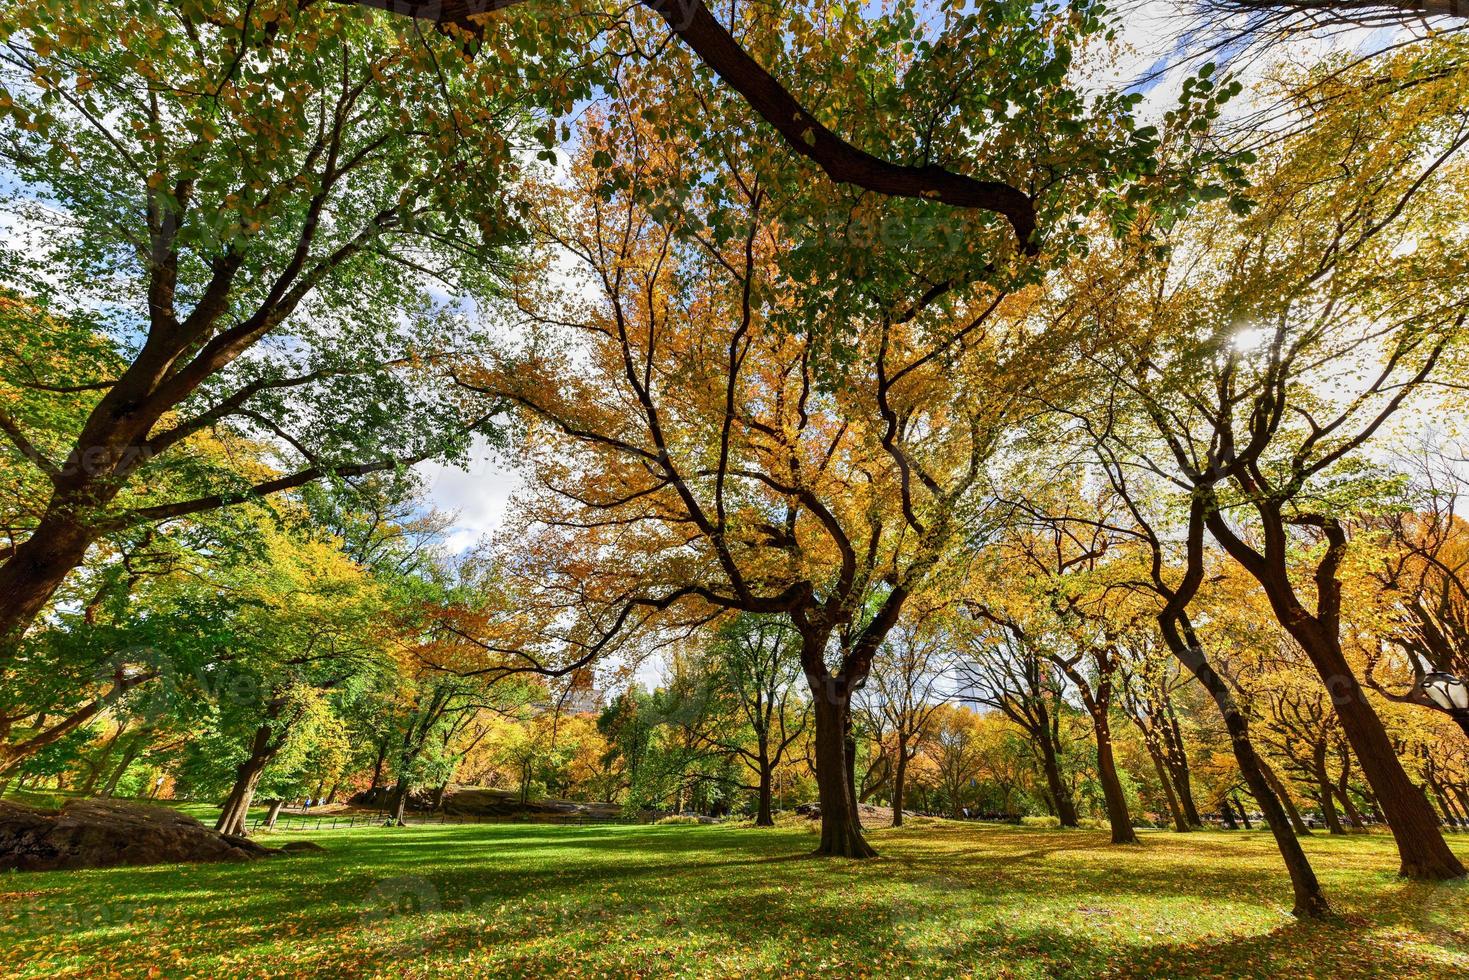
(676, 818)
(1047, 822)
(1093, 823)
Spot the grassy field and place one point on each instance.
(943, 900)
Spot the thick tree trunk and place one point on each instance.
(763, 815)
(247, 776)
(1423, 852)
(400, 803)
(273, 813)
(1116, 799)
(841, 832)
(35, 570)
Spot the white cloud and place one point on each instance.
(479, 495)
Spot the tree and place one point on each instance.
(1003, 667)
(906, 689)
(956, 747)
(1151, 679)
(1243, 421)
(752, 676)
(738, 476)
(801, 47)
(245, 240)
(1064, 575)
(1420, 563)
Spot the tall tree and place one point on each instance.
(907, 687)
(1265, 382)
(754, 673)
(251, 204)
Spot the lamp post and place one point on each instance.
(1449, 694)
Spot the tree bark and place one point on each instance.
(273, 812)
(1422, 850)
(1310, 901)
(129, 756)
(900, 778)
(1243, 813)
(1324, 797)
(1177, 758)
(247, 776)
(763, 815)
(377, 766)
(841, 831)
(1118, 816)
(1165, 781)
(1060, 796)
(35, 570)
(400, 803)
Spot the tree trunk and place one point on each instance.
(1177, 758)
(1165, 780)
(1324, 796)
(377, 767)
(1243, 813)
(36, 569)
(1116, 799)
(1060, 795)
(438, 796)
(129, 756)
(900, 777)
(273, 812)
(849, 749)
(1310, 901)
(1451, 815)
(98, 764)
(1354, 816)
(763, 816)
(1422, 849)
(400, 803)
(841, 832)
(247, 776)
(1297, 825)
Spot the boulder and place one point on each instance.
(871, 816)
(108, 833)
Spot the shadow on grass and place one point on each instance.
(942, 899)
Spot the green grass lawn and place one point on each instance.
(534, 900)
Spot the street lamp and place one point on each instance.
(1448, 693)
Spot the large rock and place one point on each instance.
(107, 833)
